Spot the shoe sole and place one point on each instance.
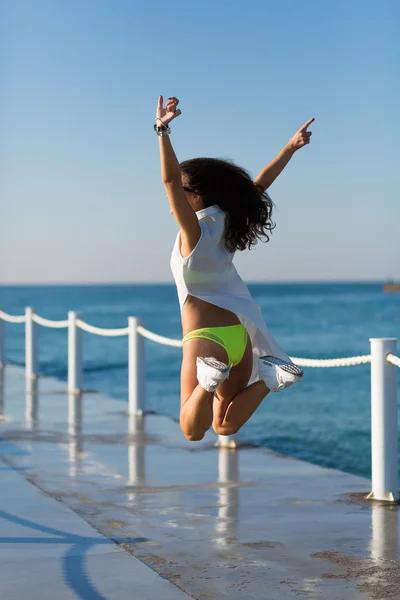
(215, 365)
(284, 365)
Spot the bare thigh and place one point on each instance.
(238, 381)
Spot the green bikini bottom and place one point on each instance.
(232, 338)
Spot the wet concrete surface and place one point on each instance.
(47, 551)
(217, 523)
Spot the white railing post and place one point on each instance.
(1, 343)
(226, 441)
(31, 359)
(31, 404)
(75, 443)
(136, 450)
(385, 484)
(74, 354)
(136, 368)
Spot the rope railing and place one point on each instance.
(48, 323)
(351, 361)
(12, 318)
(383, 359)
(393, 360)
(104, 332)
(158, 339)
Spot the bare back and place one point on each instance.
(197, 314)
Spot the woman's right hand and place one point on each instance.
(164, 116)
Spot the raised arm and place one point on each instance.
(276, 166)
(171, 175)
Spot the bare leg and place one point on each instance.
(233, 403)
(231, 413)
(196, 403)
(197, 414)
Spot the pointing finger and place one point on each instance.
(307, 124)
(160, 101)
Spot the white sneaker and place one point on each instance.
(277, 373)
(211, 372)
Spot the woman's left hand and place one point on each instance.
(164, 116)
(301, 137)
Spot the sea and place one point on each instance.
(324, 420)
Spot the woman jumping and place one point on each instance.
(230, 359)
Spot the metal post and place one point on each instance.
(31, 362)
(31, 404)
(74, 354)
(226, 441)
(136, 368)
(75, 438)
(385, 484)
(228, 466)
(1, 343)
(136, 450)
(74, 413)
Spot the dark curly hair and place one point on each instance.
(248, 208)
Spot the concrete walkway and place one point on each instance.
(214, 524)
(47, 551)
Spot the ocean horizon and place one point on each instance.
(169, 282)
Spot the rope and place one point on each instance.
(160, 339)
(332, 362)
(393, 359)
(47, 323)
(104, 332)
(12, 318)
(154, 337)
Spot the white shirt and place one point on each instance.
(208, 273)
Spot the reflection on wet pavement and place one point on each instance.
(219, 523)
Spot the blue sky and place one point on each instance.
(81, 197)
